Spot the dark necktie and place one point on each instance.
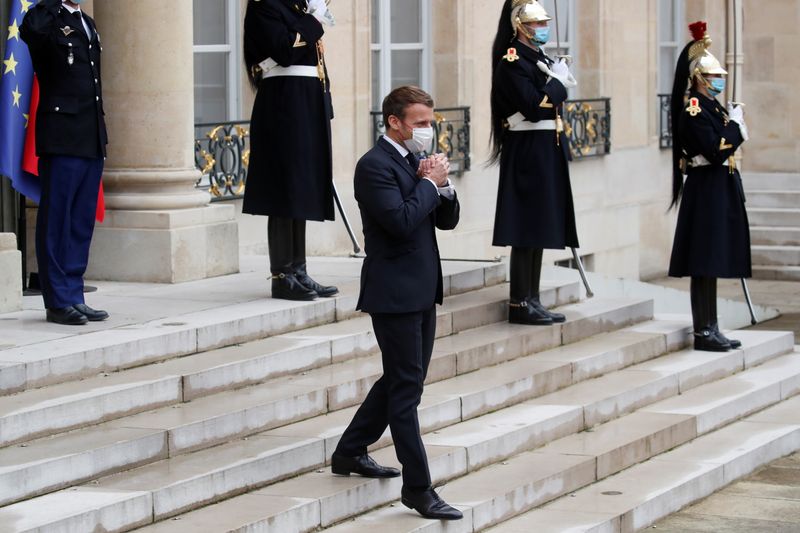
(413, 161)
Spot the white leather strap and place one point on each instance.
(517, 122)
(701, 161)
(271, 69)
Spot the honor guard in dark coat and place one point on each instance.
(71, 145)
(712, 238)
(290, 176)
(534, 200)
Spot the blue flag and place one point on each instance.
(16, 86)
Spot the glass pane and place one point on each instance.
(666, 69)
(377, 97)
(211, 87)
(406, 21)
(376, 21)
(406, 67)
(666, 20)
(210, 22)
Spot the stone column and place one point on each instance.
(11, 267)
(159, 227)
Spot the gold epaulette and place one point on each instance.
(694, 108)
(511, 55)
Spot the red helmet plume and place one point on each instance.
(698, 29)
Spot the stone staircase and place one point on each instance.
(218, 422)
(773, 206)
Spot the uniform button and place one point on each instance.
(97, 98)
(70, 45)
(92, 63)
(90, 47)
(95, 80)
(58, 108)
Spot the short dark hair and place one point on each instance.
(399, 99)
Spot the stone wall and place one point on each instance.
(11, 267)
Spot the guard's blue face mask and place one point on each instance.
(77, 1)
(541, 35)
(717, 86)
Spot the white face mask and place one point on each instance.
(420, 141)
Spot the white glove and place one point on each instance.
(736, 114)
(319, 8)
(559, 71)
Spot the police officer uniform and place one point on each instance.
(290, 176)
(534, 201)
(712, 237)
(71, 144)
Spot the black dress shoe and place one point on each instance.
(362, 465)
(429, 504)
(287, 287)
(325, 291)
(558, 318)
(523, 313)
(733, 342)
(67, 316)
(707, 340)
(94, 315)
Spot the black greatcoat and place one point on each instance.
(534, 199)
(290, 173)
(712, 237)
(402, 272)
(70, 119)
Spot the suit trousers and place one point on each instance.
(406, 343)
(65, 224)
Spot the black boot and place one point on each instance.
(712, 313)
(519, 309)
(702, 291)
(285, 284)
(299, 262)
(536, 275)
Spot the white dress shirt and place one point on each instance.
(448, 191)
(83, 19)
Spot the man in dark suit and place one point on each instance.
(71, 145)
(402, 201)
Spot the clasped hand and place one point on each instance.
(436, 168)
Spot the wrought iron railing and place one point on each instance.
(587, 124)
(664, 122)
(451, 132)
(222, 154)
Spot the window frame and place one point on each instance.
(233, 82)
(679, 7)
(571, 45)
(385, 47)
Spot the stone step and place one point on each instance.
(636, 498)
(219, 418)
(775, 235)
(785, 199)
(85, 356)
(69, 405)
(784, 273)
(771, 216)
(776, 255)
(500, 491)
(768, 181)
(627, 347)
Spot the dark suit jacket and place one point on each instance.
(402, 272)
(70, 119)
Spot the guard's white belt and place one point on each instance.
(270, 69)
(517, 122)
(699, 161)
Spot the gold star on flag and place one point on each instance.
(16, 94)
(13, 31)
(27, 117)
(11, 64)
(25, 5)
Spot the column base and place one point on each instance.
(11, 267)
(165, 246)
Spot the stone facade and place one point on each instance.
(11, 267)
